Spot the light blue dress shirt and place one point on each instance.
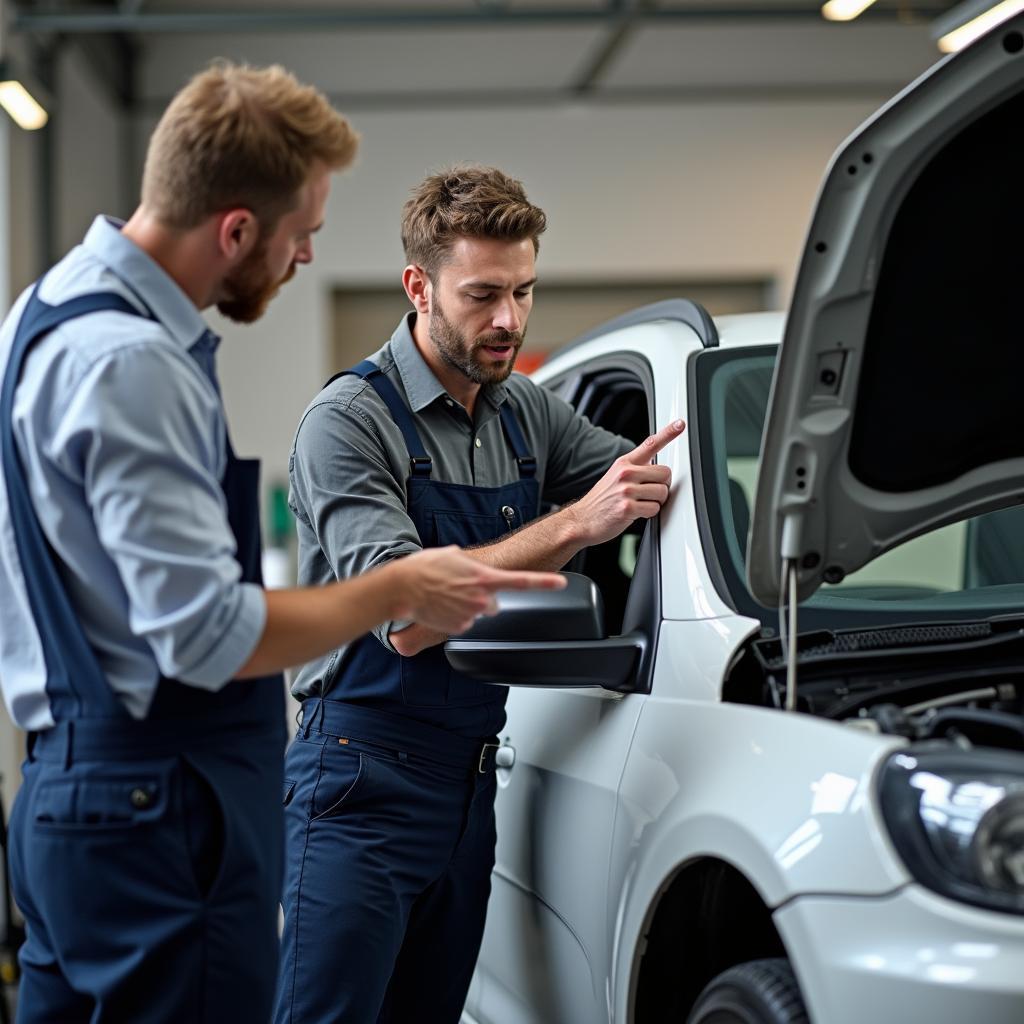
(121, 430)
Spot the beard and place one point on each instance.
(452, 346)
(249, 288)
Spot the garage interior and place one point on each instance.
(677, 147)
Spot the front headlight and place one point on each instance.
(957, 820)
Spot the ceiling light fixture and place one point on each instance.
(965, 22)
(25, 110)
(844, 10)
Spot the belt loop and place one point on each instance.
(308, 719)
(30, 743)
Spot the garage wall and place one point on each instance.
(89, 153)
(632, 193)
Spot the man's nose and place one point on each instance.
(304, 253)
(507, 316)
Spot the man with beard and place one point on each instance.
(137, 645)
(389, 804)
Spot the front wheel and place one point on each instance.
(758, 992)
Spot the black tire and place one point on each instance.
(758, 992)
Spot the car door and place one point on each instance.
(546, 952)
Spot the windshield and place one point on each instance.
(973, 567)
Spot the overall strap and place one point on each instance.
(419, 462)
(514, 433)
(73, 674)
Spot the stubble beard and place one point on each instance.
(458, 353)
(249, 288)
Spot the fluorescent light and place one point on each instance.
(969, 31)
(18, 102)
(844, 10)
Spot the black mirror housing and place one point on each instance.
(575, 613)
(552, 638)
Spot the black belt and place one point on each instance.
(350, 721)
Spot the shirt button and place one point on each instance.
(478, 442)
(448, 402)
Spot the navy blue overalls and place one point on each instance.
(389, 792)
(145, 855)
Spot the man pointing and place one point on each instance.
(390, 782)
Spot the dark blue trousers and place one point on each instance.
(388, 864)
(149, 891)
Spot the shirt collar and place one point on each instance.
(421, 386)
(146, 278)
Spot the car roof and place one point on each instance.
(742, 329)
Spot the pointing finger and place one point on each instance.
(503, 579)
(646, 450)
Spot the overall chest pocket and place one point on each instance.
(465, 528)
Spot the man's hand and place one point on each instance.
(445, 590)
(632, 489)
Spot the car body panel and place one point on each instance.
(908, 956)
(813, 502)
(548, 906)
(781, 798)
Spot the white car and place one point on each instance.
(714, 805)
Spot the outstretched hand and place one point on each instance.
(445, 589)
(633, 488)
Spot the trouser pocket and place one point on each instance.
(343, 777)
(98, 798)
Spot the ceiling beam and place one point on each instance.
(130, 19)
(622, 27)
(402, 101)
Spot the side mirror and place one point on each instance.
(575, 613)
(547, 638)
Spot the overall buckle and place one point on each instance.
(482, 767)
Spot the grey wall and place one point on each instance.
(632, 193)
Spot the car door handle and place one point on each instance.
(505, 756)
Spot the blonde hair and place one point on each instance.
(241, 136)
(467, 200)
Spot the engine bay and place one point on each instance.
(962, 682)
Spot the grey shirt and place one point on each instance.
(349, 466)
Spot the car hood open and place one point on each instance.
(897, 403)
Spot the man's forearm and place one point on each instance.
(304, 622)
(443, 588)
(631, 489)
(545, 544)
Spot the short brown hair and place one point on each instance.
(240, 136)
(466, 200)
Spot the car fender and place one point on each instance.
(786, 799)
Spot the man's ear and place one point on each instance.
(237, 233)
(418, 287)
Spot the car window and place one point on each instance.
(614, 399)
(976, 564)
